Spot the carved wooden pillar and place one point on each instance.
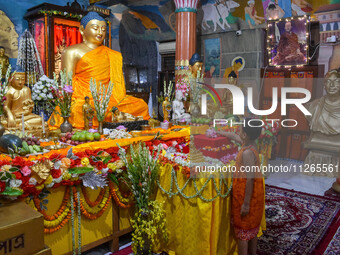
(185, 34)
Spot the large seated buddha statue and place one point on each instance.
(91, 59)
(19, 104)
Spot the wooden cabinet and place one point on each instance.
(290, 140)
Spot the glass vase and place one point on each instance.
(66, 125)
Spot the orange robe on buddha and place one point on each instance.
(103, 65)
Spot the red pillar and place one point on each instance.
(185, 33)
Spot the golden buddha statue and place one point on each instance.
(324, 123)
(91, 59)
(19, 103)
(118, 116)
(195, 65)
(88, 114)
(4, 61)
(153, 122)
(166, 106)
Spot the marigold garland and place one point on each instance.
(93, 213)
(53, 223)
(118, 198)
(64, 205)
(98, 199)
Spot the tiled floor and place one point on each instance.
(316, 185)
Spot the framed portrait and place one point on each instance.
(287, 42)
(212, 57)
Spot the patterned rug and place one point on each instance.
(298, 222)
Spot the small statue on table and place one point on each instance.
(18, 107)
(153, 122)
(88, 114)
(178, 108)
(118, 116)
(166, 105)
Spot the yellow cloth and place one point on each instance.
(103, 65)
(194, 226)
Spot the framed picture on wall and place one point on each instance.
(212, 57)
(287, 42)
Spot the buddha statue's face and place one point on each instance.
(8, 35)
(332, 85)
(237, 66)
(94, 32)
(195, 68)
(2, 52)
(18, 81)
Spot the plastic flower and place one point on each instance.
(85, 161)
(68, 89)
(26, 171)
(112, 166)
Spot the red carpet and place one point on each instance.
(299, 223)
(125, 251)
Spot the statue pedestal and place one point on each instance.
(323, 149)
(22, 230)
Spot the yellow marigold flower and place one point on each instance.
(112, 166)
(40, 187)
(85, 161)
(48, 180)
(66, 176)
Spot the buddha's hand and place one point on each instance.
(11, 121)
(28, 106)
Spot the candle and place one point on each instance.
(23, 124)
(43, 122)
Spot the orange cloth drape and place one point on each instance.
(103, 65)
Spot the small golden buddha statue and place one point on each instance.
(153, 122)
(88, 114)
(4, 61)
(195, 64)
(166, 105)
(19, 103)
(118, 116)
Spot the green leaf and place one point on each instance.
(106, 160)
(12, 192)
(80, 170)
(113, 178)
(8, 175)
(13, 169)
(100, 153)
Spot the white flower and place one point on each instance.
(58, 180)
(15, 183)
(119, 171)
(32, 181)
(105, 170)
(44, 90)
